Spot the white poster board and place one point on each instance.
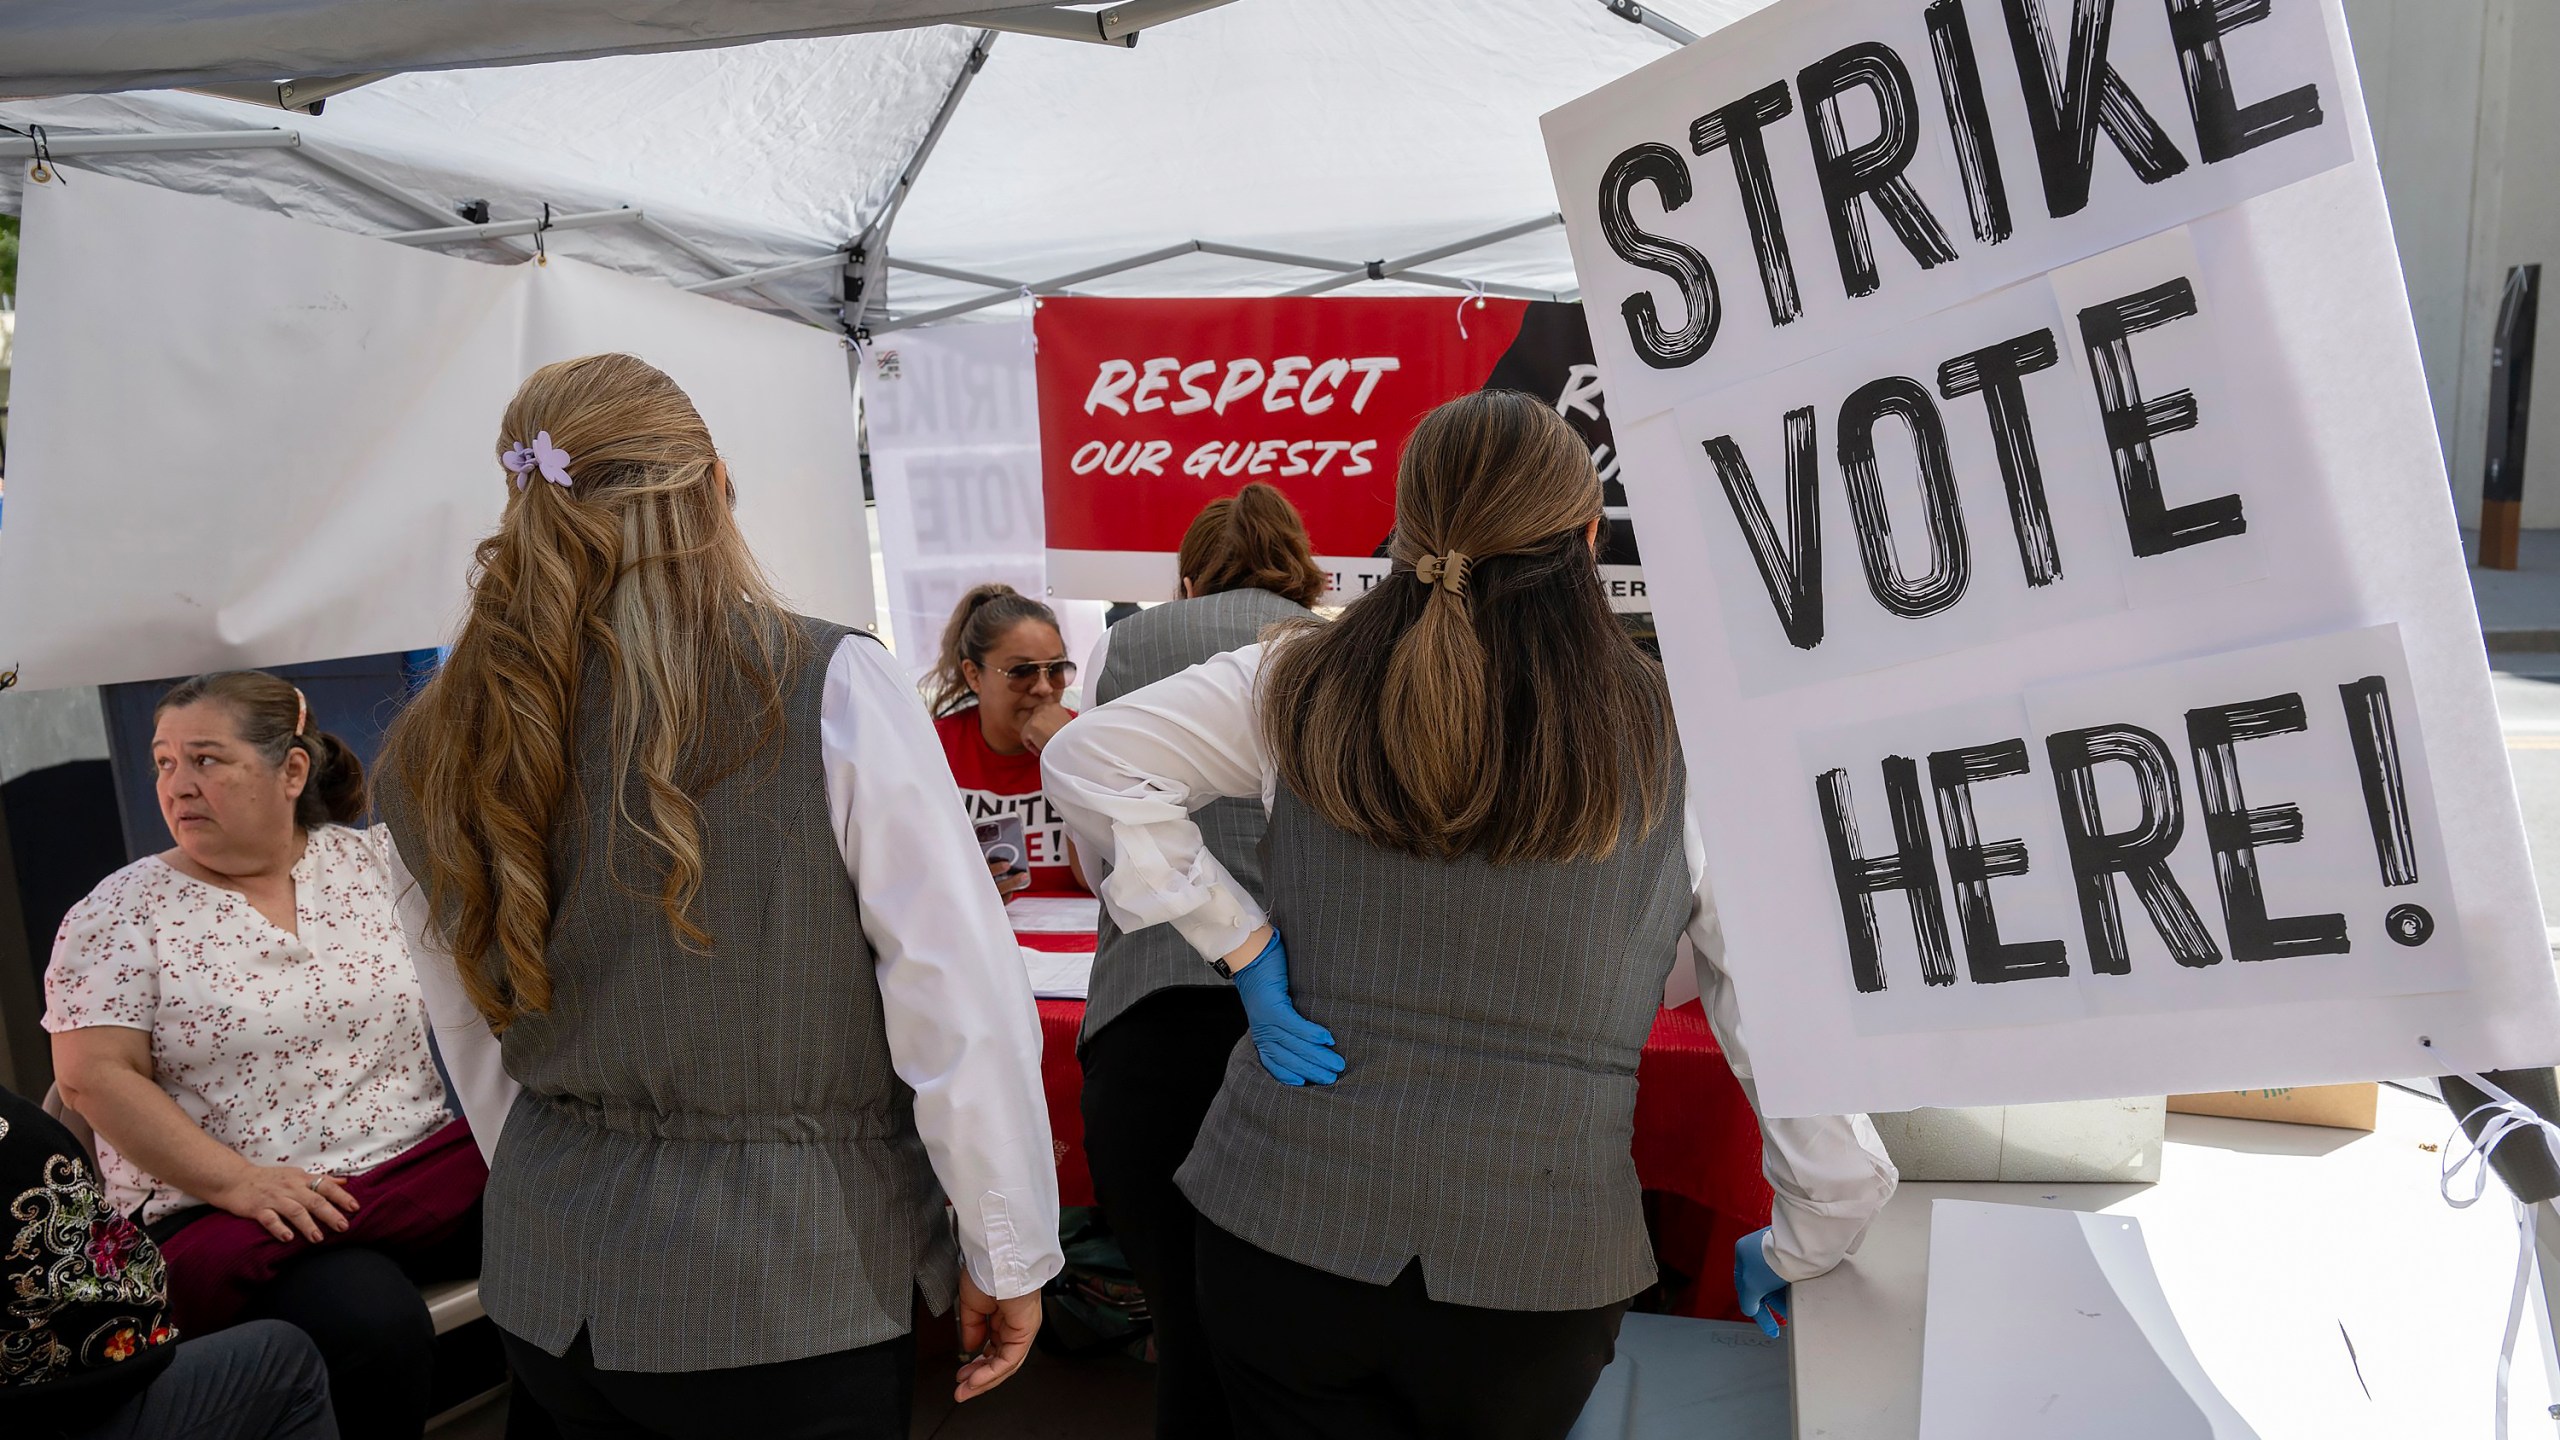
(955, 468)
(281, 448)
(2051, 1325)
(2064, 604)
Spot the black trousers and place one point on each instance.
(362, 1308)
(1312, 1356)
(1149, 1076)
(861, 1394)
(258, 1381)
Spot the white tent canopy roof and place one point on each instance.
(1339, 128)
(55, 47)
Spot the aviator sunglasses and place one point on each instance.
(1062, 673)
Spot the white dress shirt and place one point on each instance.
(964, 1033)
(1091, 674)
(1128, 775)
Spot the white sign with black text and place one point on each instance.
(954, 427)
(2109, 845)
(2052, 554)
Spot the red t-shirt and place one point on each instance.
(994, 785)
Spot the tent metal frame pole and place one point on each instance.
(306, 96)
(1275, 257)
(711, 262)
(349, 171)
(1346, 272)
(1635, 14)
(1117, 25)
(1473, 287)
(748, 278)
(1398, 268)
(353, 173)
(1052, 286)
(874, 235)
(67, 147)
(946, 272)
(1112, 267)
(508, 234)
(499, 229)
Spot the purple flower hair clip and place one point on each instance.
(541, 455)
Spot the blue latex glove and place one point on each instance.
(1762, 1293)
(1295, 1049)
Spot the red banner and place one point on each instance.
(1150, 409)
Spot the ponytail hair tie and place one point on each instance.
(1449, 572)
(301, 712)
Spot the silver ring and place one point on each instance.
(315, 1181)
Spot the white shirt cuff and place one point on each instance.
(1001, 1268)
(1217, 928)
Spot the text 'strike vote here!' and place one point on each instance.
(2052, 553)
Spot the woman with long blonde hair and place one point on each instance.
(711, 957)
(1418, 1204)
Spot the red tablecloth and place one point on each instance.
(1697, 1145)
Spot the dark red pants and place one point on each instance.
(218, 1261)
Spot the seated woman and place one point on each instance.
(995, 692)
(87, 1351)
(239, 1019)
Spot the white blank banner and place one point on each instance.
(240, 440)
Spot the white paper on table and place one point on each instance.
(1058, 975)
(2052, 1323)
(1054, 914)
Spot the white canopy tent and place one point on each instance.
(1275, 131)
(68, 46)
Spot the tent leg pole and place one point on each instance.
(860, 271)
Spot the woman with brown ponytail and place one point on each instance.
(995, 691)
(1478, 854)
(238, 1019)
(712, 959)
(1158, 1024)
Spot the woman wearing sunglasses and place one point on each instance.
(995, 691)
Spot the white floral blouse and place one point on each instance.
(308, 1051)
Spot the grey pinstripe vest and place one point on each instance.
(711, 1163)
(1491, 1020)
(1148, 646)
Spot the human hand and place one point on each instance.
(1762, 1293)
(1009, 881)
(996, 1336)
(287, 1201)
(1294, 1049)
(1044, 725)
